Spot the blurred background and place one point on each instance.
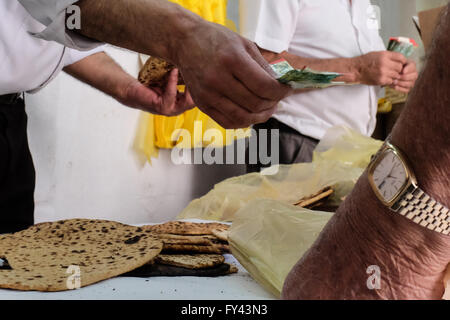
(82, 145)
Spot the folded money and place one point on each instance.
(305, 78)
(402, 45)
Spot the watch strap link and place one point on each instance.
(419, 207)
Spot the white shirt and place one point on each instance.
(321, 29)
(28, 63)
(52, 15)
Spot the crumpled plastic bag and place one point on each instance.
(346, 146)
(339, 161)
(268, 238)
(289, 185)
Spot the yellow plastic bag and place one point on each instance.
(339, 161)
(346, 146)
(156, 131)
(289, 185)
(268, 238)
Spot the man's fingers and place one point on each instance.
(231, 116)
(255, 53)
(240, 117)
(410, 67)
(409, 77)
(240, 95)
(395, 66)
(389, 77)
(257, 56)
(170, 92)
(184, 103)
(255, 77)
(398, 57)
(405, 84)
(401, 89)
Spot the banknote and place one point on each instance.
(405, 46)
(305, 78)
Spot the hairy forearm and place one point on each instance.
(147, 26)
(363, 233)
(103, 73)
(412, 259)
(423, 132)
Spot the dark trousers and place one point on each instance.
(17, 175)
(294, 147)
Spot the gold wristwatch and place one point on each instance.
(396, 186)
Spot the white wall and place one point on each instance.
(396, 18)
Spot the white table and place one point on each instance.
(239, 286)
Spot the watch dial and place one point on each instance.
(390, 176)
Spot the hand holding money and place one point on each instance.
(409, 73)
(407, 79)
(380, 68)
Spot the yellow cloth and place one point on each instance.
(159, 131)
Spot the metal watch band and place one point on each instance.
(419, 207)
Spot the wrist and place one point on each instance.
(363, 233)
(409, 256)
(182, 26)
(356, 66)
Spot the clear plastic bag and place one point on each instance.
(269, 237)
(339, 161)
(346, 146)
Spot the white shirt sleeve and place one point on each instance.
(52, 13)
(270, 24)
(72, 56)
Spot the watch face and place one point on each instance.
(390, 177)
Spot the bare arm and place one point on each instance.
(104, 74)
(227, 76)
(412, 259)
(381, 68)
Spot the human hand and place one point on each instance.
(382, 68)
(167, 101)
(228, 78)
(407, 79)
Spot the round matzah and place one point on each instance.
(220, 233)
(40, 256)
(186, 228)
(195, 261)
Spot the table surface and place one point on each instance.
(237, 286)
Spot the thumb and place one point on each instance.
(170, 92)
